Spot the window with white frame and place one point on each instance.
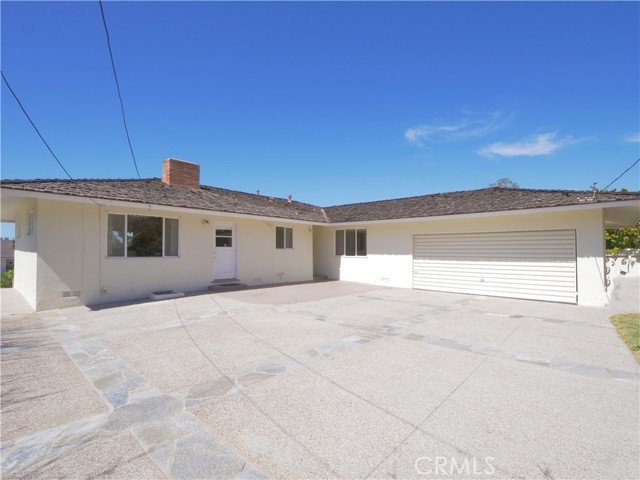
(284, 237)
(351, 242)
(142, 236)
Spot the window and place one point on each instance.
(339, 242)
(142, 236)
(224, 237)
(352, 243)
(170, 237)
(284, 237)
(115, 242)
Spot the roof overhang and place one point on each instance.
(620, 216)
(616, 214)
(622, 213)
(8, 194)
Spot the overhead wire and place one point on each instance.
(115, 76)
(6, 82)
(15, 96)
(622, 174)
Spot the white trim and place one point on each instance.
(501, 213)
(147, 206)
(152, 207)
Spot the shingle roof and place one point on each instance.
(493, 199)
(154, 191)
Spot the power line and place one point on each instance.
(34, 125)
(115, 75)
(6, 82)
(620, 176)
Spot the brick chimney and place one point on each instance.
(179, 173)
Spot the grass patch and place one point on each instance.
(628, 326)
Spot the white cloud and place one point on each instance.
(533, 146)
(470, 126)
(633, 138)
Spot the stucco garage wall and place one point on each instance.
(390, 248)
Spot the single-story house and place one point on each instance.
(6, 254)
(95, 241)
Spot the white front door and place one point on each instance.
(224, 253)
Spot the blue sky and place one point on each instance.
(331, 102)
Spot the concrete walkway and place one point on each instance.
(13, 303)
(328, 380)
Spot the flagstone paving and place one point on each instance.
(351, 381)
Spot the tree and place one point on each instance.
(505, 183)
(622, 238)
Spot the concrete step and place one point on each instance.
(229, 285)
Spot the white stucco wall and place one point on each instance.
(260, 263)
(390, 248)
(71, 266)
(68, 249)
(25, 256)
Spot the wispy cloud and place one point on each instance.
(532, 146)
(633, 138)
(469, 126)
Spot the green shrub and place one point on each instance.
(6, 279)
(622, 239)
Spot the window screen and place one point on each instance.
(361, 243)
(115, 239)
(351, 243)
(284, 237)
(350, 247)
(170, 237)
(339, 242)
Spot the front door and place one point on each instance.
(224, 253)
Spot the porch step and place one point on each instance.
(227, 285)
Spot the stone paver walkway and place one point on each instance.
(226, 386)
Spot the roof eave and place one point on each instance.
(146, 206)
(500, 213)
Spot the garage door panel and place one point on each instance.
(494, 268)
(537, 265)
(525, 295)
(503, 283)
(492, 278)
(531, 234)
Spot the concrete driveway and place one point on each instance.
(326, 380)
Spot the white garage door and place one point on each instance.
(534, 265)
